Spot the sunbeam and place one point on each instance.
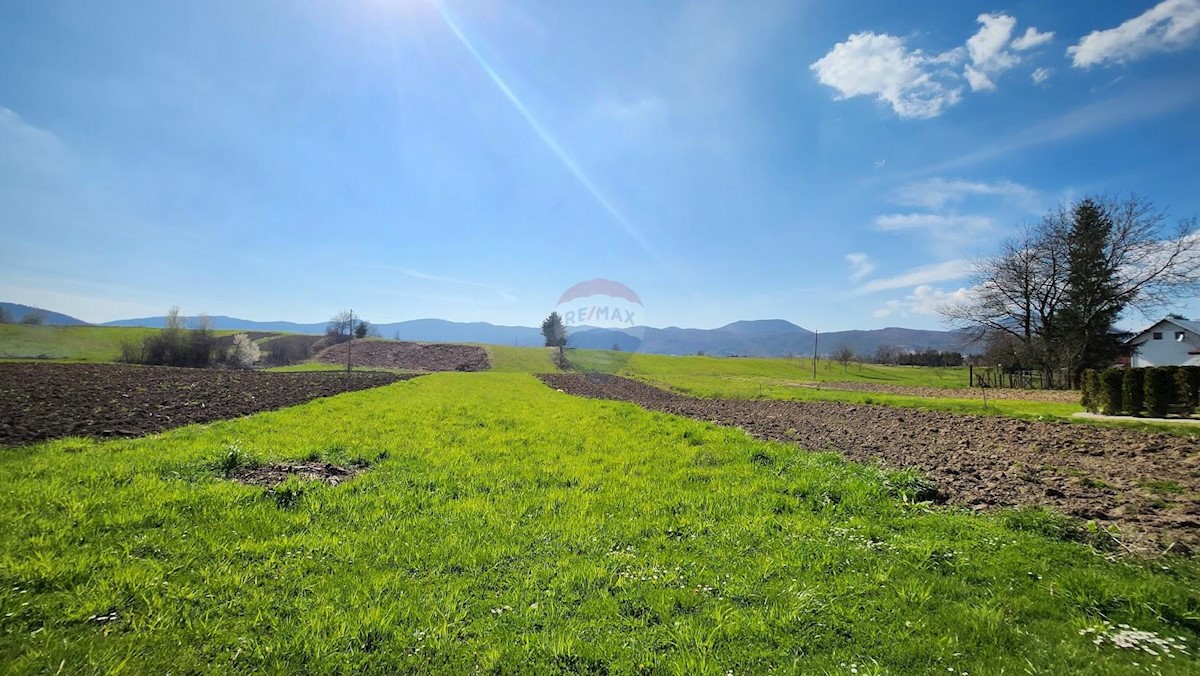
(569, 162)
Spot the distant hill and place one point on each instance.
(18, 312)
(762, 327)
(753, 338)
(756, 339)
(221, 323)
(430, 330)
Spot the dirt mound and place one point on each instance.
(316, 470)
(43, 401)
(1052, 396)
(1147, 484)
(394, 354)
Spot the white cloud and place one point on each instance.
(869, 64)
(1143, 102)
(987, 45)
(926, 274)
(860, 265)
(1032, 38)
(944, 235)
(936, 193)
(924, 300)
(891, 222)
(978, 80)
(1041, 75)
(992, 49)
(26, 148)
(920, 85)
(1169, 25)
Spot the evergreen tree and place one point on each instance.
(1093, 299)
(555, 333)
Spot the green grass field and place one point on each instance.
(509, 528)
(971, 401)
(507, 359)
(794, 370)
(66, 343)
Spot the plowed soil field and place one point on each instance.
(1148, 485)
(44, 401)
(410, 356)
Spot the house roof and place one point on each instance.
(1185, 324)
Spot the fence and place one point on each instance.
(988, 376)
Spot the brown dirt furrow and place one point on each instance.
(45, 401)
(1146, 484)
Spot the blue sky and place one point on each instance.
(834, 164)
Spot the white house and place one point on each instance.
(1169, 342)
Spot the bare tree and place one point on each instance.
(886, 354)
(1024, 290)
(844, 355)
(1017, 292)
(175, 321)
(340, 326)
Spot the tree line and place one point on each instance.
(33, 318)
(896, 356)
(1049, 299)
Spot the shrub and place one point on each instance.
(286, 350)
(1193, 383)
(1185, 392)
(1133, 391)
(1160, 390)
(244, 352)
(1087, 393)
(175, 345)
(1110, 395)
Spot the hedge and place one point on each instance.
(1110, 391)
(1185, 390)
(1160, 390)
(1089, 388)
(1133, 391)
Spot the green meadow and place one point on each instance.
(67, 343)
(504, 527)
(786, 370)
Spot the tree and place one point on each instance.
(245, 352)
(360, 331)
(340, 329)
(844, 355)
(1058, 287)
(340, 326)
(1017, 292)
(33, 318)
(886, 354)
(1092, 300)
(555, 333)
(5, 317)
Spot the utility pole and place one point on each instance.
(815, 334)
(350, 336)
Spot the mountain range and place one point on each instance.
(18, 313)
(757, 338)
